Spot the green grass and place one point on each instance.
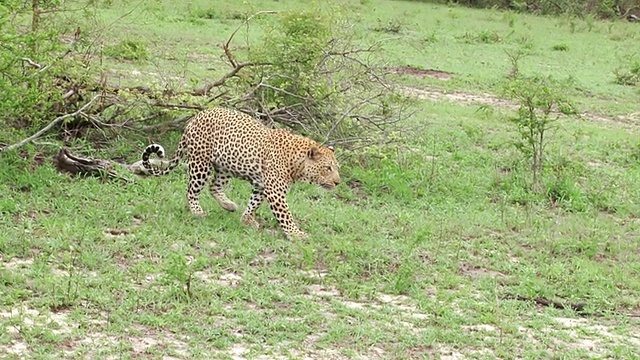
(418, 254)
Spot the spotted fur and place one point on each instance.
(233, 144)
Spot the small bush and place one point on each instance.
(127, 50)
(392, 26)
(562, 191)
(212, 13)
(541, 100)
(560, 47)
(628, 75)
(482, 37)
(317, 81)
(208, 14)
(32, 73)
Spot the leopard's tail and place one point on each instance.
(159, 151)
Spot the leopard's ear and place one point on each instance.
(330, 148)
(314, 153)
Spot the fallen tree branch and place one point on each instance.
(66, 162)
(205, 90)
(178, 106)
(76, 165)
(55, 122)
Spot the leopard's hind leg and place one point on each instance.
(221, 178)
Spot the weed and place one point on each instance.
(214, 13)
(562, 191)
(128, 49)
(431, 38)
(514, 59)
(209, 14)
(629, 74)
(482, 37)
(560, 47)
(392, 26)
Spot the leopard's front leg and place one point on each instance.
(278, 203)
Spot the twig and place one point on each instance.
(178, 106)
(335, 125)
(32, 63)
(68, 94)
(225, 47)
(55, 122)
(205, 90)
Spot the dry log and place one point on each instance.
(76, 165)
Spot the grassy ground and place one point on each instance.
(425, 251)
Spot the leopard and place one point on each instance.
(229, 143)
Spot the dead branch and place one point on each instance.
(225, 47)
(76, 165)
(205, 90)
(178, 106)
(66, 162)
(346, 114)
(32, 63)
(55, 122)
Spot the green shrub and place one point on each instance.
(560, 47)
(628, 75)
(482, 37)
(561, 190)
(540, 102)
(127, 50)
(29, 71)
(318, 80)
(392, 26)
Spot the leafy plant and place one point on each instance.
(541, 101)
(482, 37)
(128, 49)
(560, 47)
(180, 272)
(392, 26)
(514, 59)
(628, 75)
(309, 74)
(29, 67)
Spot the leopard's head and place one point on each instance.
(321, 167)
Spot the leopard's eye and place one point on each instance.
(328, 168)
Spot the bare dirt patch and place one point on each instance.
(15, 263)
(415, 71)
(585, 334)
(265, 257)
(22, 318)
(632, 119)
(140, 340)
(593, 337)
(475, 271)
(400, 304)
(228, 279)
